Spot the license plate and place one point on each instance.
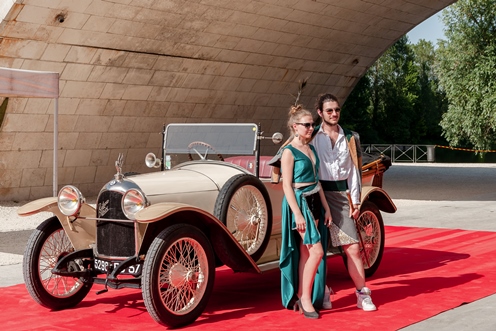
(103, 266)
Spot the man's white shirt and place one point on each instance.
(336, 163)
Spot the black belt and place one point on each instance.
(334, 185)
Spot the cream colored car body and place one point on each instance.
(191, 186)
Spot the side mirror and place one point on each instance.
(151, 161)
(277, 138)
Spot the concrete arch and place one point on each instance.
(128, 67)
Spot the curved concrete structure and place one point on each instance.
(127, 67)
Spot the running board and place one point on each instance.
(275, 264)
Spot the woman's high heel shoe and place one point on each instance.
(299, 307)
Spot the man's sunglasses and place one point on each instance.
(330, 110)
(307, 125)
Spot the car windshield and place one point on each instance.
(225, 138)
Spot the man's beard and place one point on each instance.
(329, 123)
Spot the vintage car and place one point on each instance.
(166, 231)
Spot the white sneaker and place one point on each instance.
(327, 305)
(364, 301)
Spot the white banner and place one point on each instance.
(35, 84)
(27, 83)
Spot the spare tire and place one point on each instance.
(243, 205)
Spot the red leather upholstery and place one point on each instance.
(248, 162)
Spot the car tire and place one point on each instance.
(46, 245)
(178, 275)
(243, 205)
(371, 227)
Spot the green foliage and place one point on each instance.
(355, 115)
(398, 99)
(467, 72)
(424, 95)
(431, 101)
(398, 93)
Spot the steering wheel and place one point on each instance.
(192, 145)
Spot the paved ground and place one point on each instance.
(460, 196)
(447, 196)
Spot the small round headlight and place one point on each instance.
(70, 200)
(132, 202)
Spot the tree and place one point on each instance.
(394, 92)
(398, 100)
(355, 115)
(431, 101)
(467, 73)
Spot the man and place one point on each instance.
(340, 177)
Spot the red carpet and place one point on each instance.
(423, 272)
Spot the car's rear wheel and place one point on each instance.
(178, 275)
(47, 244)
(243, 205)
(371, 230)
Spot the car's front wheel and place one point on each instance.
(178, 275)
(47, 244)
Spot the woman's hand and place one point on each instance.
(301, 224)
(327, 218)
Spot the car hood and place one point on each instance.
(187, 178)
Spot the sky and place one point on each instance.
(431, 30)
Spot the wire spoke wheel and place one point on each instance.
(247, 218)
(178, 275)
(182, 276)
(371, 236)
(56, 246)
(243, 205)
(46, 246)
(371, 227)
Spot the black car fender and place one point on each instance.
(379, 197)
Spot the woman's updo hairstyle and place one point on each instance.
(296, 112)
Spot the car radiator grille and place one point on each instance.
(113, 238)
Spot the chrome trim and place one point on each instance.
(144, 202)
(118, 166)
(62, 199)
(121, 186)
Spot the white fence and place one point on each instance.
(403, 153)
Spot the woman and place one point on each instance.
(304, 233)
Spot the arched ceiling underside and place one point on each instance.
(127, 67)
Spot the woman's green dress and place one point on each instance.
(304, 172)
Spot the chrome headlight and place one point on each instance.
(132, 202)
(70, 200)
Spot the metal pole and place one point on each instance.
(257, 152)
(162, 164)
(55, 146)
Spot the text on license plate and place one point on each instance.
(103, 266)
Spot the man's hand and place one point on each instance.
(355, 212)
(354, 208)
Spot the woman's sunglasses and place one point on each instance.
(307, 125)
